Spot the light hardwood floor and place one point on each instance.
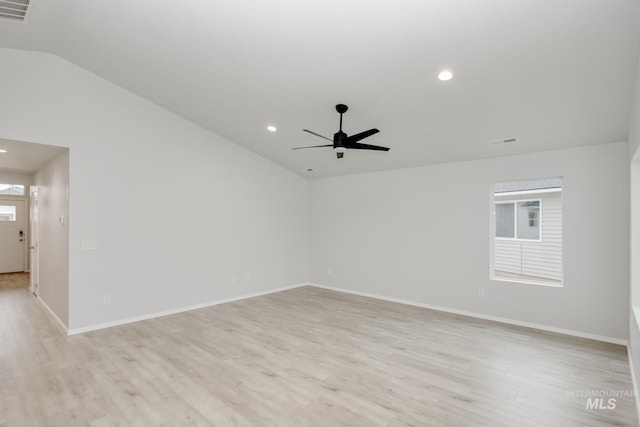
(304, 357)
(14, 280)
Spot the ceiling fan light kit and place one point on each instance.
(343, 142)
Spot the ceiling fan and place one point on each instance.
(343, 142)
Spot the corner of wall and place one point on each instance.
(634, 238)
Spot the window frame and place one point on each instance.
(515, 219)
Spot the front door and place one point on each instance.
(12, 235)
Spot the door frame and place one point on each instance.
(34, 241)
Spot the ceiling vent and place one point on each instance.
(503, 141)
(14, 10)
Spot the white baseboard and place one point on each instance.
(82, 330)
(570, 332)
(53, 315)
(481, 316)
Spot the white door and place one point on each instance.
(12, 235)
(34, 266)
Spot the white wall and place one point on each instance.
(634, 119)
(175, 210)
(423, 235)
(53, 202)
(634, 156)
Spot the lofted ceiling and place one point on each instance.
(552, 73)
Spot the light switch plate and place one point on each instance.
(89, 245)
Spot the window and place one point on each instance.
(7, 213)
(518, 220)
(527, 231)
(11, 190)
(505, 220)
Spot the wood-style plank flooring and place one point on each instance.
(304, 357)
(14, 280)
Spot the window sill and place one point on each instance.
(528, 282)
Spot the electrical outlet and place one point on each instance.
(329, 270)
(481, 293)
(234, 279)
(106, 299)
(247, 277)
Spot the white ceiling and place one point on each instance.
(23, 157)
(553, 73)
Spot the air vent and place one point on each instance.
(503, 141)
(14, 10)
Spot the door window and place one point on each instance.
(7, 213)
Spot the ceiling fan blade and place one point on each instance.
(317, 134)
(313, 146)
(359, 146)
(362, 135)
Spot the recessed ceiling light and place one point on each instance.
(3, 151)
(445, 75)
(271, 128)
